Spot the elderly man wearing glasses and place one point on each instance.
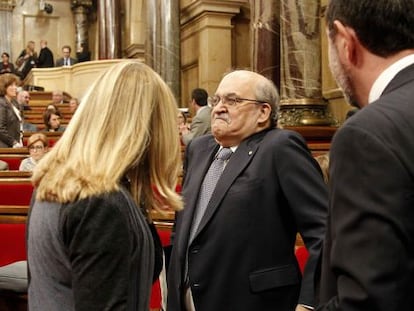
(248, 189)
(38, 146)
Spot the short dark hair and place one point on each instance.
(200, 96)
(384, 27)
(67, 47)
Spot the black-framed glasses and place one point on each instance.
(230, 100)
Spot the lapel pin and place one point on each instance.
(250, 152)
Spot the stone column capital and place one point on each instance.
(198, 7)
(84, 3)
(7, 5)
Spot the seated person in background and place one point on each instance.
(57, 97)
(52, 107)
(73, 104)
(200, 124)
(51, 119)
(5, 65)
(4, 166)
(23, 98)
(38, 146)
(66, 60)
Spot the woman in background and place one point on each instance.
(11, 125)
(38, 146)
(90, 246)
(5, 65)
(52, 119)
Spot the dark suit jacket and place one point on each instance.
(242, 257)
(368, 261)
(9, 125)
(59, 62)
(45, 59)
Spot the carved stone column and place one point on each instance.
(265, 15)
(81, 10)
(153, 35)
(6, 18)
(301, 92)
(109, 29)
(163, 41)
(206, 43)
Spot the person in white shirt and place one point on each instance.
(38, 146)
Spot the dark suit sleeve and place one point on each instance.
(99, 244)
(306, 194)
(371, 217)
(4, 124)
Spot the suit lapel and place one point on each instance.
(192, 190)
(237, 163)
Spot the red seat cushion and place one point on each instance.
(16, 193)
(12, 243)
(14, 163)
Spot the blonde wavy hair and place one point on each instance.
(126, 127)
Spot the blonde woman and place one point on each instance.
(38, 146)
(89, 242)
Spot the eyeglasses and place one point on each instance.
(231, 100)
(37, 148)
(27, 97)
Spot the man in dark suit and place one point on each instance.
(368, 259)
(45, 59)
(66, 60)
(241, 255)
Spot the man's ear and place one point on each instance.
(347, 44)
(265, 111)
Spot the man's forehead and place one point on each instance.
(236, 83)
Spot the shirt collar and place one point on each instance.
(387, 75)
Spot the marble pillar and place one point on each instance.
(6, 18)
(81, 10)
(300, 90)
(170, 45)
(109, 29)
(153, 35)
(163, 41)
(265, 53)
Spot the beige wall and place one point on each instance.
(215, 38)
(31, 24)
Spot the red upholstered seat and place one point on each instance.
(14, 162)
(12, 243)
(16, 193)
